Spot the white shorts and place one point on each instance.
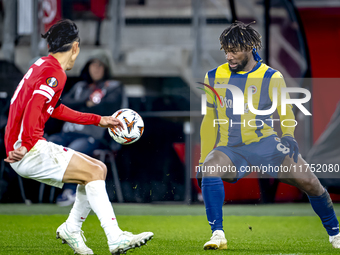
(46, 162)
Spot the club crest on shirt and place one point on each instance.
(52, 82)
(253, 89)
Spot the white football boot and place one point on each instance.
(127, 241)
(335, 241)
(74, 240)
(217, 241)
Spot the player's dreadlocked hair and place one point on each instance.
(241, 37)
(61, 36)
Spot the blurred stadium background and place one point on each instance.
(159, 49)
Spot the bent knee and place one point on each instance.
(211, 169)
(311, 186)
(98, 172)
(218, 164)
(104, 168)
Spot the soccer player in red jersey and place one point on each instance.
(37, 98)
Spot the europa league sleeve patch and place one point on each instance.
(52, 82)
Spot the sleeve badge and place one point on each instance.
(52, 82)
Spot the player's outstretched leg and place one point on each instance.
(70, 231)
(213, 196)
(318, 196)
(119, 242)
(92, 173)
(323, 207)
(127, 241)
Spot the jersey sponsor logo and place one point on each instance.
(52, 82)
(50, 110)
(228, 103)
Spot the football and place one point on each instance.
(133, 126)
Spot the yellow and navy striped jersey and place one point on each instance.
(238, 130)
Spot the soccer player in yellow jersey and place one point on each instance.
(249, 139)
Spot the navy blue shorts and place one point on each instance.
(267, 154)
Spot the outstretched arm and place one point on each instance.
(64, 113)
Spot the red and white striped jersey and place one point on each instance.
(34, 101)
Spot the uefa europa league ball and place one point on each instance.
(133, 126)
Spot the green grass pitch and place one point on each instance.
(179, 229)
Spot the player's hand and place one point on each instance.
(110, 122)
(16, 155)
(293, 146)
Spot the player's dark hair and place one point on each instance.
(240, 36)
(61, 35)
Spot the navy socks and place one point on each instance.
(213, 195)
(323, 207)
